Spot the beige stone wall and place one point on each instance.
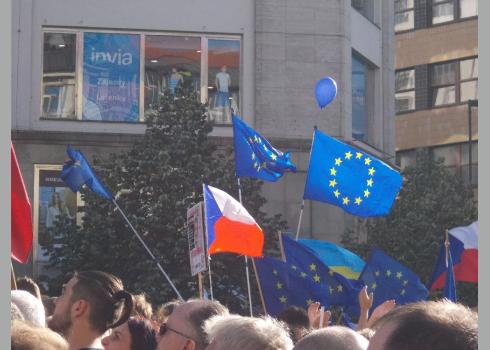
(436, 126)
(437, 44)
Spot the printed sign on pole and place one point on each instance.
(195, 235)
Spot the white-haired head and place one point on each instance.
(30, 307)
(235, 332)
(333, 338)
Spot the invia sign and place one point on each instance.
(111, 75)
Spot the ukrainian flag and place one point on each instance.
(338, 259)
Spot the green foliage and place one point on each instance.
(156, 181)
(431, 201)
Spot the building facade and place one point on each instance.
(86, 74)
(437, 83)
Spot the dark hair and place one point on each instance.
(432, 325)
(197, 317)
(28, 284)
(143, 335)
(295, 317)
(110, 304)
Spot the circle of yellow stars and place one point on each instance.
(258, 142)
(350, 156)
(388, 273)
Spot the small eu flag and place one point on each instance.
(351, 179)
(77, 172)
(255, 156)
(388, 279)
(336, 289)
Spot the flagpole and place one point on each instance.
(246, 258)
(281, 246)
(148, 250)
(260, 287)
(13, 281)
(207, 242)
(303, 202)
(446, 243)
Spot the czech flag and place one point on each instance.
(230, 228)
(463, 245)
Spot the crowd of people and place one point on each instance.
(94, 311)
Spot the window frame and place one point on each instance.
(456, 12)
(412, 9)
(457, 82)
(406, 90)
(79, 32)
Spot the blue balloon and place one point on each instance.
(325, 91)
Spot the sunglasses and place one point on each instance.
(164, 328)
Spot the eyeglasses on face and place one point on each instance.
(164, 328)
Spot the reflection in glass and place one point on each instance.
(469, 69)
(444, 95)
(469, 90)
(359, 105)
(405, 80)
(58, 92)
(364, 7)
(170, 61)
(443, 13)
(404, 21)
(444, 74)
(468, 8)
(223, 79)
(405, 101)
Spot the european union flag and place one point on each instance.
(334, 288)
(351, 179)
(388, 279)
(77, 172)
(255, 156)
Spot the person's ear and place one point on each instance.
(190, 345)
(79, 308)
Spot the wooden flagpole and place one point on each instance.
(13, 281)
(260, 288)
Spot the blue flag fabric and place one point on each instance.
(77, 172)
(388, 279)
(335, 289)
(336, 258)
(255, 156)
(450, 285)
(351, 179)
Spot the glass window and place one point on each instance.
(404, 15)
(468, 8)
(170, 61)
(364, 7)
(406, 158)
(442, 11)
(450, 154)
(405, 90)
(59, 67)
(223, 79)
(469, 69)
(443, 84)
(359, 99)
(469, 79)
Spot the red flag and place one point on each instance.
(21, 221)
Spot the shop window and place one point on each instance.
(59, 76)
(170, 61)
(223, 79)
(405, 90)
(404, 15)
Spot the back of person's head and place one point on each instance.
(26, 336)
(141, 307)
(28, 284)
(110, 304)
(143, 335)
(434, 325)
(333, 338)
(165, 310)
(15, 313)
(235, 332)
(366, 333)
(30, 307)
(200, 312)
(297, 320)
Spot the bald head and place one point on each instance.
(333, 338)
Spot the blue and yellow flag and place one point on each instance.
(338, 259)
(78, 172)
(388, 279)
(255, 156)
(349, 178)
